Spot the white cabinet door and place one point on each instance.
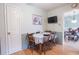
(13, 28)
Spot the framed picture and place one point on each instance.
(37, 20)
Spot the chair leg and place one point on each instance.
(44, 52)
(31, 51)
(40, 47)
(44, 48)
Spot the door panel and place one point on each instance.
(13, 26)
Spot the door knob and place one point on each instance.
(9, 33)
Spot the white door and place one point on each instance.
(13, 28)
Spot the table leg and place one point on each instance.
(40, 48)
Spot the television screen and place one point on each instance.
(52, 19)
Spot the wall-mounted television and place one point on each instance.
(52, 19)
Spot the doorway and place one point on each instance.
(13, 28)
(71, 29)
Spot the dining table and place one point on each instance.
(39, 39)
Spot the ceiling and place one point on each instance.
(48, 6)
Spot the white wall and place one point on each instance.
(27, 23)
(25, 13)
(2, 30)
(59, 13)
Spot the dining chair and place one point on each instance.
(37, 32)
(48, 31)
(46, 44)
(31, 41)
(53, 38)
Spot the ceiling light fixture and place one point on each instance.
(74, 5)
(74, 20)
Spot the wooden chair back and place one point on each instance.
(48, 31)
(46, 37)
(30, 37)
(37, 32)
